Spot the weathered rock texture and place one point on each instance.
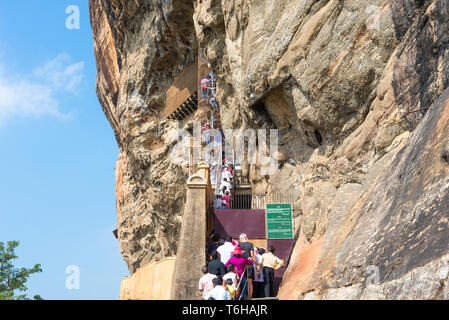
(140, 47)
(341, 80)
(192, 241)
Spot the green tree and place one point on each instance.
(12, 280)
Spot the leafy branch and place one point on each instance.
(13, 279)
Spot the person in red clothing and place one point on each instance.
(204, 84)
(231, 169)
(240, 263)
(228, 199)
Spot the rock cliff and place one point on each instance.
(358, 92)
(140, 46)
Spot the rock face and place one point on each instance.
(140, 46)
(358, 92)
(392, 240)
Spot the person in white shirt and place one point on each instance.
(227, 173)
(219, 292)
(224, 184)
(270, 263)
(230, 274)
(225, 250)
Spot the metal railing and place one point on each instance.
(241, 201)
(218, 174)
(247, 201)
(183, 88)
(241, 292)
(260, 202)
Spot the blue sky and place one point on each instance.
(58, 152)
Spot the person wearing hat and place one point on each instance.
(248, 248)
(240, 263)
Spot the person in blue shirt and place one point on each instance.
(223, 206)
(219, 292)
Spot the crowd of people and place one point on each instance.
(209, 94)
(226, 184)
(236, 270)
(223, 196)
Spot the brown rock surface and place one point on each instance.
(398, 223)
(140, 46)
(339, 79)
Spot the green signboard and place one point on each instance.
(279, 221)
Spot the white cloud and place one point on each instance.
(60, 74)
(35, 95)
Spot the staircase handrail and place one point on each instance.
(218, 173)
(240, 282)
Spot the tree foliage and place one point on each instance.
(13, 280)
